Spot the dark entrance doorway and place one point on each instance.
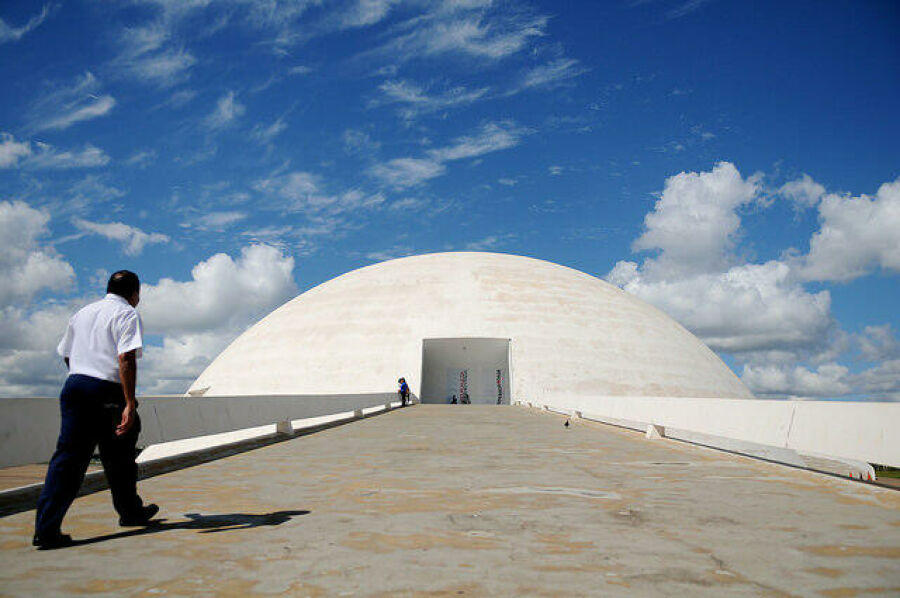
(465, 369)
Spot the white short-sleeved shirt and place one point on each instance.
(98, 334)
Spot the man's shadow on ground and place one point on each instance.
(206, 524)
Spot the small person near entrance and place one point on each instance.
(403, 392)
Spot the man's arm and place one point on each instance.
(128, 376)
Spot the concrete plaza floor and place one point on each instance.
(475, 501)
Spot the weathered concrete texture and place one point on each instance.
(466, 500)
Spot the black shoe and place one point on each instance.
(141, 517)
(52, 541)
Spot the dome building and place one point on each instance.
(486, 327)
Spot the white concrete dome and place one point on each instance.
(569, 335)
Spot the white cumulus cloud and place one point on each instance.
(26, 266)
(11, 151)
(879, 343)
(29, 333)
(199, 317)
(696, 277)
(827, 380)
(694, 223)
(762, 313)
(856, 236)
(223, 293)
(805, 192)
(751, 307)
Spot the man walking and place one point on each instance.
(403, 392)
(98, 407)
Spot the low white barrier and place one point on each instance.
(29, 427)
(860, 431)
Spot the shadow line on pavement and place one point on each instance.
(204, 524)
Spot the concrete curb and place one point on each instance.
(23, 498)
(850, 469)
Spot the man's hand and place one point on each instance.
(127, 420)
(128, 377)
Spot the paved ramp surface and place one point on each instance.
(476, 501)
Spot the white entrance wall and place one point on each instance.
(476, 366)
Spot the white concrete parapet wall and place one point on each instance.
(29, 427)
(861, 431)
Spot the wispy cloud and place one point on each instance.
(49, 157)
(356, 141)
(38, 155)
(92, 190)
(686, 9)
(227, 110)
(265, 134)
(148, 56)
(489, 242)
(551, 74)
(132, 238)
(408, 172)
(362, 13)
(410, 204)
(67, 106)
(476, 36)
(165, 68)
(216, 221)
(181, 98)
(9, 33)
(303, 192)
(294, 71)
(416, 99)
(391, 253)
(493, 137)
(142, 159)
(95, 107)
(463, 28)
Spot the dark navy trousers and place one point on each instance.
(91, 409)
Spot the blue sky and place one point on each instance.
(737, 164)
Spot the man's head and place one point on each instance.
(126, 285)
